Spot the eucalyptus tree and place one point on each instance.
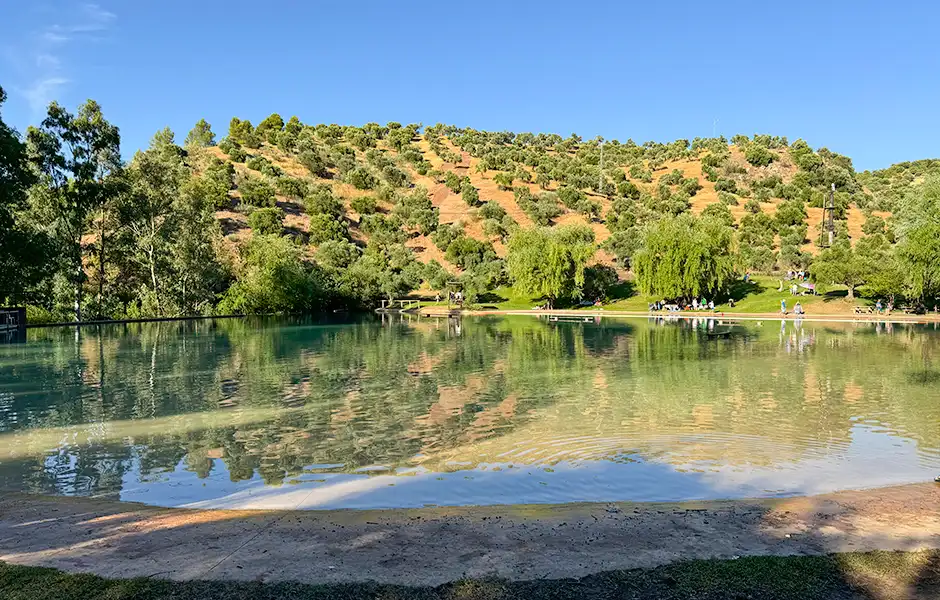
(77, 161)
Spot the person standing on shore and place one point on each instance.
(783, 306)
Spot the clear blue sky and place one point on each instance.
(860, 77)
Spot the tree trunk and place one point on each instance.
(100, 269)
(78, 289)
(851, 292)
(153, 277)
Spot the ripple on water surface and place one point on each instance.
(366, 414)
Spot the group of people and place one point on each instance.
(682, 305)
(797, 275)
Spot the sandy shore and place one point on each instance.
(433, 546)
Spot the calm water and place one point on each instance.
(291, 414)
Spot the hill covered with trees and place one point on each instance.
(285, 216)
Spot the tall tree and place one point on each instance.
(684, 257)
(77, 159)
(550, 262)
(919, 254)
(200, 136)
(147, 211)
(24, 251)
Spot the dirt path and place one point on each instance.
(432, 546)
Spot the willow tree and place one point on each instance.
(684, 257)
(549, 262)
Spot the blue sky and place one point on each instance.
(859, 77)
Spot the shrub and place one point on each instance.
(673, 178)
(321, 201)
(453, 182)
(494, 228)
(256, 191)
(469, 194)
(873, 225)
(758, 155)
(570, 197)
(446, 234)
(266, 221)
(719, 211)
(467, 252)
(415, 210)
(628, 189)
(361, 179)
(590, 208)
(492, 210)
(503, 180)
(291, 187)
(638, 172)
(726, 185)
(364, 205)
(752, 206)
(690, 186)
(394, 176)
(313, 162)
(728, 198)
(325, 227)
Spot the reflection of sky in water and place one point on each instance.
(514, 410)
(871, 459)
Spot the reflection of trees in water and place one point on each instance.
(363, 394)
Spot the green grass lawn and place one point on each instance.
(760, 295)
(882, 575)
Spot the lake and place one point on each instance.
(409, 412)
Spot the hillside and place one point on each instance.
(662, 177)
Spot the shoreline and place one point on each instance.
(434, 311)
(432, 546)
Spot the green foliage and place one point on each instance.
(266, 221)
(728, 198)
(200, 136)
(244, 133)
(789, 213)
(550, 263)
(843, 264)
(918, 254)
(684, 257)
(628, 189)
(292, 187)
(361, 179)
(672, 178)
(503, 180)
(335, 255)
(325, 227)
(469, 193)
(219, 178)
(570, 197)
(638, 172)
(270, 128)
(321, 201)
(446, 234)
(314, 163)
(873, 225)
(598, 281)
(758, 155)
(492, 210)
(453, 182)
(364, 205)
(256, 191)
(752, 206)
(720, 212)
(467, 252)
(726, 185)
(416, 211)
(25, 249)
(274, 279)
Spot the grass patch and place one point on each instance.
(883, 575)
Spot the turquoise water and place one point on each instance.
(415, 412)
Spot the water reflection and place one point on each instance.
(402, 411)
